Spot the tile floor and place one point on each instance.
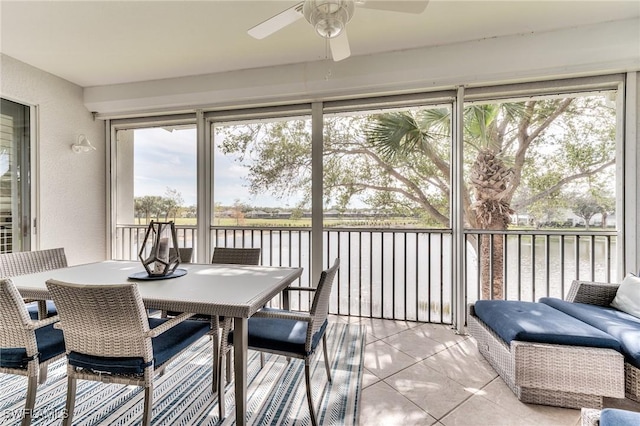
(425, 374)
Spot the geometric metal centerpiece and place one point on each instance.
(161, 244)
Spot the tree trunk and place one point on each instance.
(492, 266)
(489, 178)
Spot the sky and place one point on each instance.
(167, 159)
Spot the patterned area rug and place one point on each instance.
(182, 396)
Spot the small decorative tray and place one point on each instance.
(146, 277)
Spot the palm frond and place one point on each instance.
(394, 134)
(436, 120)
(513, 110)
(478, 118)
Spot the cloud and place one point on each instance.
(164, 159)
(167, 159)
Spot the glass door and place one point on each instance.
(15, 195)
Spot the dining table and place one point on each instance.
(236, 291)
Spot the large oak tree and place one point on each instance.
(518, 155)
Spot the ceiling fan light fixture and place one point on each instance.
(328, 17)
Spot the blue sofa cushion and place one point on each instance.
(622, 326)
(537, 322)
(50, 343)
(616, 417)
(165, 346)
(281, 334)
(33, 309)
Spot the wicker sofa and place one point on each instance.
(565, 375)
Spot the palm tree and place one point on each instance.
(490, 179)
(491, 130)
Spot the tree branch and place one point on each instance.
(419, 200)
(561, 183)
(526, 139)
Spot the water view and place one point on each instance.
(406, 274)
(539, 169)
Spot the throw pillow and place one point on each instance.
(628, 296)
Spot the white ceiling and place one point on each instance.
(95, 43)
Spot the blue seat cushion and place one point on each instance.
(165, 346)
(33, 309)
(617, 417)
(621, 325)
(50, 343)
(282, 335)
(537, 322)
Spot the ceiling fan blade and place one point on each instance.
(340, 46)
(405, 6)
(276, 22)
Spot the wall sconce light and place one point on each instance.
(83, 145)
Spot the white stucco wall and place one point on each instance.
(632, 174)
(70, 205)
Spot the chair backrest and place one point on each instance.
(237, 256)
(320, 306)
(186, 254)
(102, 320)
(29, 262)
(15, 320)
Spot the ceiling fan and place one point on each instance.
(330, 18)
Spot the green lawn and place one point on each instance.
(304, 222)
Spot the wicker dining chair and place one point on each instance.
(291, 333)
(30, 262)
(110, 339)
(232, 256)
(229, 256)
(186, 254)
(27, 347)
(236, 256)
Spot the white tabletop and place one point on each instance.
(230, 290)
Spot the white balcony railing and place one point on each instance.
(405, 274)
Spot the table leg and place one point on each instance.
(240, 343)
